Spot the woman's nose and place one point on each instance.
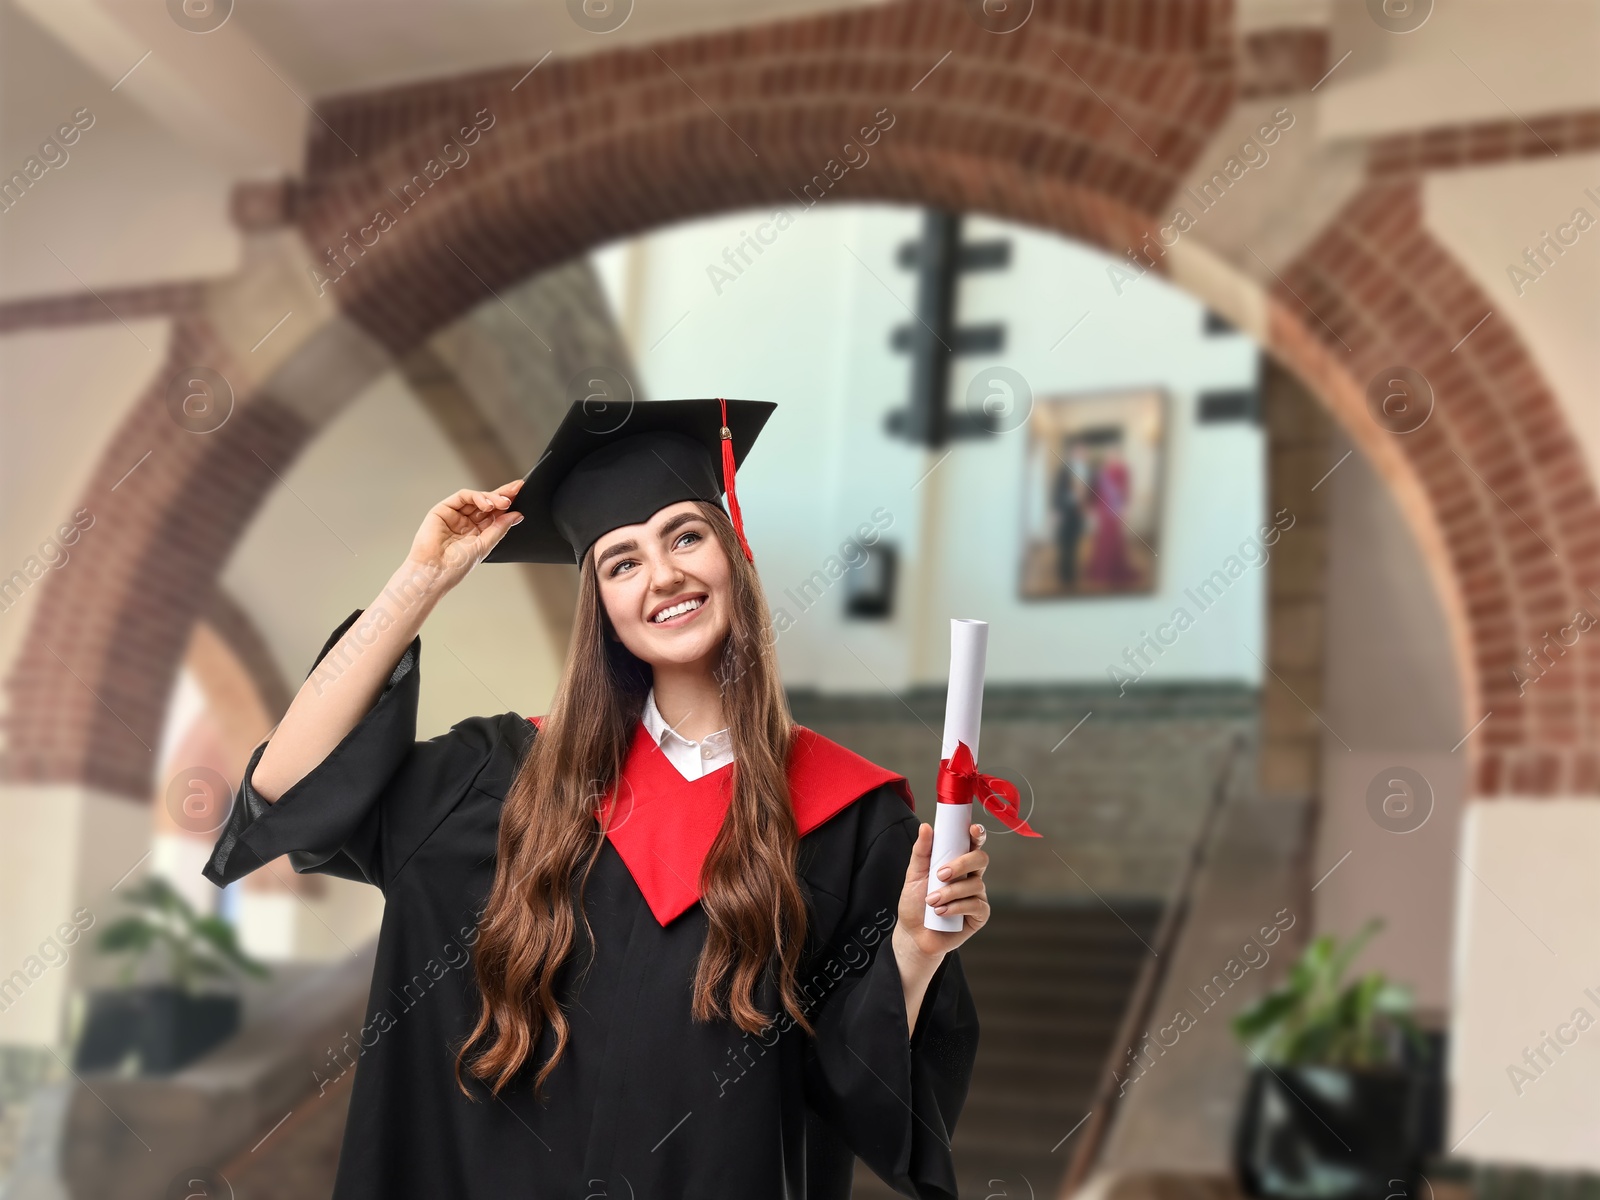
(664, 573)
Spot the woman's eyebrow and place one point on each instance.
(615, 549)
(678, 521)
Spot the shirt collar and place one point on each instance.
(660, 731)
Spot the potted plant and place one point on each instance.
(158, 1027)
(1332, 1110)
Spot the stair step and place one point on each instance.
(1051, 986)
(1050, 1031)
(1022, 1063)
(1049, 961)
(1013, 1107)
(1110, 930)
(1054, 995)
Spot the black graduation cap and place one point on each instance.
(612, 464)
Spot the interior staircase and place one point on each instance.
(1051, 985)
(300, 1160)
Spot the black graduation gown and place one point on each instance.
(646, 1103)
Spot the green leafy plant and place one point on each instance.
(196, 947)
(1314, 1018)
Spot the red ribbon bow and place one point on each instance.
(960, 782)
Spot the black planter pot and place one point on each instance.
(1329, 1133)
(165, 1028)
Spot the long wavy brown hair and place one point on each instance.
(550, 836)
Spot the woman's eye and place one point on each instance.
(616, 568)
(689, 538)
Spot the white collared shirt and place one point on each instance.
(693, 759)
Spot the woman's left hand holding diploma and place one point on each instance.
(960, 890)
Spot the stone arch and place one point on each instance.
(1085, 122)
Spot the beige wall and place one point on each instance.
(62, 395)
(1488, 219)
(1527, 962)
(133, 204)
(1465, 63)
(1390, 699)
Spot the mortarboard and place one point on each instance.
(613, 464)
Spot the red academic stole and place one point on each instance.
(663, 825)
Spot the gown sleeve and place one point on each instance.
(366, 807)
(893, 1099)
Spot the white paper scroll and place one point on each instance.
(963, 714)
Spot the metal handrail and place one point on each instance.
(1151, 975)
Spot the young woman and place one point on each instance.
(659, 943)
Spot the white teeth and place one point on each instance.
(667, 614)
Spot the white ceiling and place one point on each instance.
(241, 93)
(354, 45)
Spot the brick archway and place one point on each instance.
(1029, 126)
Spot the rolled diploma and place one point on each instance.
(963, 713)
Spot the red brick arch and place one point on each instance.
(1028, 126)
(1511, 503)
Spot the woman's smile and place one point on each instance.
(677, 612)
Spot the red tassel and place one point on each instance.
(727, 482)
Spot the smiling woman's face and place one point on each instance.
(665, 584)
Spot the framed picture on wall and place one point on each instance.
(1092, 494)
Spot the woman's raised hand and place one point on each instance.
(460, 530)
